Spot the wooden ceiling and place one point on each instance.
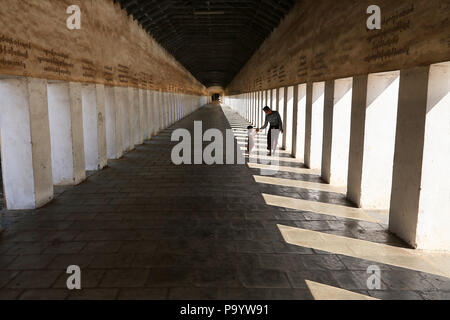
(212, 39)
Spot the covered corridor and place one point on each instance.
(124, 127)
(146, 229)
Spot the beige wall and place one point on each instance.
(111, 48)
(324, 40)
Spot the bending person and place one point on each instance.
(276, 126)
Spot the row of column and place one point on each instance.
(385, 136)
(53, 132)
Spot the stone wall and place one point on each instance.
(111, 48)
(327, 39)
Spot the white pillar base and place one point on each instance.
(374, 117)
(113, 123)
(337, 121)
(66, 131)
(137, 103)
(124, 103)
(94, 126)
(420, 203)
(25, 143)
(317, 125)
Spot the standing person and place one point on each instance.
(276, 126)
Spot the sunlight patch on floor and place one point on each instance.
(317, 207)
(259, 144)
(432, 263)
(282, 168)
(299, 184)
(327, 293)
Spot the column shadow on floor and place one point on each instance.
(147, 229)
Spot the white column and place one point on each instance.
(66, 132)
(25, 143)
(114, 142)
(249, 108)
(183, 106)
(308, 124)
(281, 103)
(180, 106)
(150, 114)
(143, 111)
(162, 110)
(166, 109)
(301, 123)
(420, 200)
(135, 117)
(288, 133)
(123, 102)
(245, 109)
(261, 112)
(337, 118)
(94, 126)
(295, 121)
(177, 107)
(172, 109)
(372, 141)
(318, 92)
(157, 111)
(169, 109)
(254, 108)
(181, 109)
(285, 116)
(327, 129)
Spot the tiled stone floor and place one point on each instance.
(146, 229)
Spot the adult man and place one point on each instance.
(276, 126)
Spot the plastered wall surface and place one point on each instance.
(324, 40)
(111, 48)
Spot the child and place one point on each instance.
(251, 139)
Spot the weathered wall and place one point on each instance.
(328, 39)
(111, 48)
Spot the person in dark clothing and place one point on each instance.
(273, 119)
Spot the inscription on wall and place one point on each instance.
(281, 75)
(258, 83)
(108, 74)
(123, 73)
(89, 69)
(387, 42)
(102, 51)
(319, 67)
(14, 53)
(55, 62)
(320, 43)
(302, 67)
